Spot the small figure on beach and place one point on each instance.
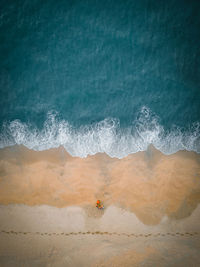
(99, 205)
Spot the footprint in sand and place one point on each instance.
(13, 232)
(102, 233)
(157, 234)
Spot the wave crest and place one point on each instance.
(105, 136)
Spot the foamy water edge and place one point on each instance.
(103, 137)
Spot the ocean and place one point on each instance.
(100, 76)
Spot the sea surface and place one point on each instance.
(100, 76)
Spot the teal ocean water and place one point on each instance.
(100, 76)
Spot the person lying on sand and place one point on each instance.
(99, 205)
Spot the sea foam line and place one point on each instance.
(105, 136)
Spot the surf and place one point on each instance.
(106, 136)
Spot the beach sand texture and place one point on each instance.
(48, 215)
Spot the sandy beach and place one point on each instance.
(99, 133)
(48, 215)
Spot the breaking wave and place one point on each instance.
(105, 136)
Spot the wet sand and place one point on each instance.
(48, 215)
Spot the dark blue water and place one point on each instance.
(100, 76)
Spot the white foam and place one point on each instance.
(105, 136)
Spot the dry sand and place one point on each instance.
(48, 215)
